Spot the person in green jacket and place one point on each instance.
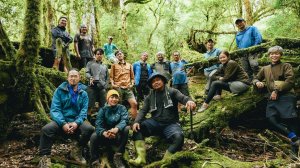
(111, 129)
(231, 77)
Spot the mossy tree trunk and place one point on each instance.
(26, 85)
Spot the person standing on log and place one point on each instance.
(98, 76)
(231, 77)
(248, 36)
(162, 103)
(122, 80)
(162, 66)
(109, 49)
(211, 53)
(84, 46)
(179, 76)
(68, 113)
(281, 107)
(142, 72)
(60, 44)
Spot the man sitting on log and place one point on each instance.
(281, 107)
(68, 112)
(162, 104)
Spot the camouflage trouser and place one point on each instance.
(62, 52)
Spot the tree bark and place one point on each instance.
(248, 8)
(97, 17)
(7, 47)
(124, 23)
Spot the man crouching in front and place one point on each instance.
(164, 122)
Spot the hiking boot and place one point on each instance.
(217, 97)
(45, 162)
(118, 160)
(141, 153)
(76, 154)
(167, 155)
(96, 164)
(203, 107)
(295, 148)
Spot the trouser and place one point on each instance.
(62, 53)
(142, 90)
(209, 79)
(216, 89)
(250, 64)
(285, 126)
(183, 88)
(100, 141)
(172, 132)
(49, 131)
(96, 94)
(83, 61)
(217, 86)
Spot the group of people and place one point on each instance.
(83, 46)
(162, 86)
(277, 79)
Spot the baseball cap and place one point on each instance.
(239, 20)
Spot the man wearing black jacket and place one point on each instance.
(162, 103)
(60, 44)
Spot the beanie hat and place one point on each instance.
(112, 92)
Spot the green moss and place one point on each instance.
(207, 157)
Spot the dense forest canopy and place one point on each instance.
(152, 26)
(159, 25)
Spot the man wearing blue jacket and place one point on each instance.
(248, 36)
(68, 113)
(142, 72)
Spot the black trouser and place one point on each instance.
(83, 61)
(142, 90)
(216, 89)
(171, 132)
(49, 131)
(285, 126)
(96, 94)
(100, 141)
(183, 88)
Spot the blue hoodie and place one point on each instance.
(63, 111)
(250, 36)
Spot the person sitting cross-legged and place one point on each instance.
(162, 104)
(231, 77)
(111, 129)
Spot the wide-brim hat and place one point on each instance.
(154, 75)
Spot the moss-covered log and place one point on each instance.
(291, 53)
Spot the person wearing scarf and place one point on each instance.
(162, 104)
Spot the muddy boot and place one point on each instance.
(76, 154)
(96, 164)
(167, 155)
(295, 148)
(104, 161)
(118, 160)
(45, 162)
(141, 153)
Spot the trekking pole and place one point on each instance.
(191, 135)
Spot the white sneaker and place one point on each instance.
(217, 97)
(203, 108)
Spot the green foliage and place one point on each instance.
(284, 24)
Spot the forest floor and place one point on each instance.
(21, 147)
